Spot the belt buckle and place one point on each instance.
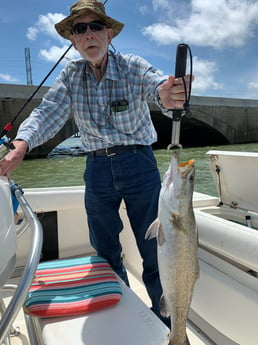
(109, 154)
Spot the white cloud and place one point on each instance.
(32, 33)
(45, 24)
(215, 23)
(252, 90)
(54, 53)
(204, 72)
(144, 9)
(161, 4)
(8, 78)
(162, 33)
(253, 85)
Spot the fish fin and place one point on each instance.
(161, 236)
(153, 229)
(156, 230)
(163, 307)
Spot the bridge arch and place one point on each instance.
(194, 132)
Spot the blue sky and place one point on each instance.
(222, 35)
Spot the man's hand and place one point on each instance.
(172, 92)
(13, 159)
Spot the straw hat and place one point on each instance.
(84, 7)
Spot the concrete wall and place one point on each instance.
(235, 119)
(213, 121)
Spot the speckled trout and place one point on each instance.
(176, 232)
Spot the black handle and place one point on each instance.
(181, 57)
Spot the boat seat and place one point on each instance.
(72, 287)
(83, 302)
(129, 322)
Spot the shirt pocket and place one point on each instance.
(131, 119)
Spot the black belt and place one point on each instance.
(114, 150)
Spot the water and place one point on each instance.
(65, 170)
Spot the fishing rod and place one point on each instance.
(5, 144)
(178, 113)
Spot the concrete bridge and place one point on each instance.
(213, 121)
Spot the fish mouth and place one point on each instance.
(185, 167)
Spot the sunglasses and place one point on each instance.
(81, 28)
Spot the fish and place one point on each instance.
(177, 245)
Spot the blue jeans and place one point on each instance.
(133, 177)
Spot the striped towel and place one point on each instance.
(72, 287)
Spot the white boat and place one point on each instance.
(225, 303)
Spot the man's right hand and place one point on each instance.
(14, 158)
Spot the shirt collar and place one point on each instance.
(115, 68)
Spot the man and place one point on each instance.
(108, 93)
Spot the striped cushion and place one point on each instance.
(72, 287)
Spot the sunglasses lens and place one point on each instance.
(81, 28)
(95, 26)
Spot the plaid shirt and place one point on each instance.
(76, 91)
